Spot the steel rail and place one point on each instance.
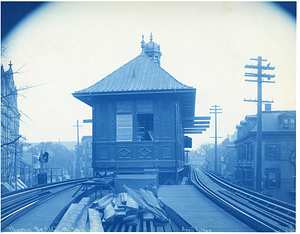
(38, 188)
(17, 211)
(249, 215)
(202, 186)
(248, 194)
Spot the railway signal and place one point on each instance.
(260, 78)
(44, 158)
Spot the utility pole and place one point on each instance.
(260, 78)
(215, 111)
(77, 169)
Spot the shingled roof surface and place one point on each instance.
(139, 74)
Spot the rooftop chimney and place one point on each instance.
(268, 107)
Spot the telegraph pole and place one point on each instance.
(77, 169)
(215, 111)
(260, 78)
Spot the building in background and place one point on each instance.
(86, 159)
(228, 158)
(10, 123)
(278, 153)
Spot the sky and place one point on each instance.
(63, 47)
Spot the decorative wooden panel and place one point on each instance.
(102, 153)
(124, 153)
(144, 152)
(166, 152)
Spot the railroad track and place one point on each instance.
(260, 212)
(17, 203)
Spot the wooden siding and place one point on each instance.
(108, 153)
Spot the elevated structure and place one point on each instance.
(140, 117)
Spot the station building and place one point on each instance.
(141, 115)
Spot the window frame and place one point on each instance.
(276, 151)
(129, 127)
(145, 134)
(271, 183)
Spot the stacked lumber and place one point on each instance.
(148, 202)
(121, 210)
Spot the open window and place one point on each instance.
(145, 127)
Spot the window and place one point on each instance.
(124, 127)
(272, 178)
(285, 123)
(272, 151)
(293, 125)
(145, 127)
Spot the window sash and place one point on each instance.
(124, 127)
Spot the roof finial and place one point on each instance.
(143, 42)
(151, 37)
(10, 65)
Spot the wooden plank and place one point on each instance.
(109, 212)
(95, 221)
(118, 209)
(120, 214)
(175, 228)
(103, 199)
(158, 214)
(130, 228)
(159, 228)
(148, 216)
(117, 227)
(119, 201)
(129, 218)
(138, 226)
(104, 204)
(111, 227)
(123, 227)
(84, 200)
(168, 228)
(131, 203)
(123, 198)
(70, 218)
(152, 227)
(144, 226)
(113, 202)
(133, 222)
(155, 203)
(81, 224)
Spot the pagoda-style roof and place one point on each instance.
(139, 74)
